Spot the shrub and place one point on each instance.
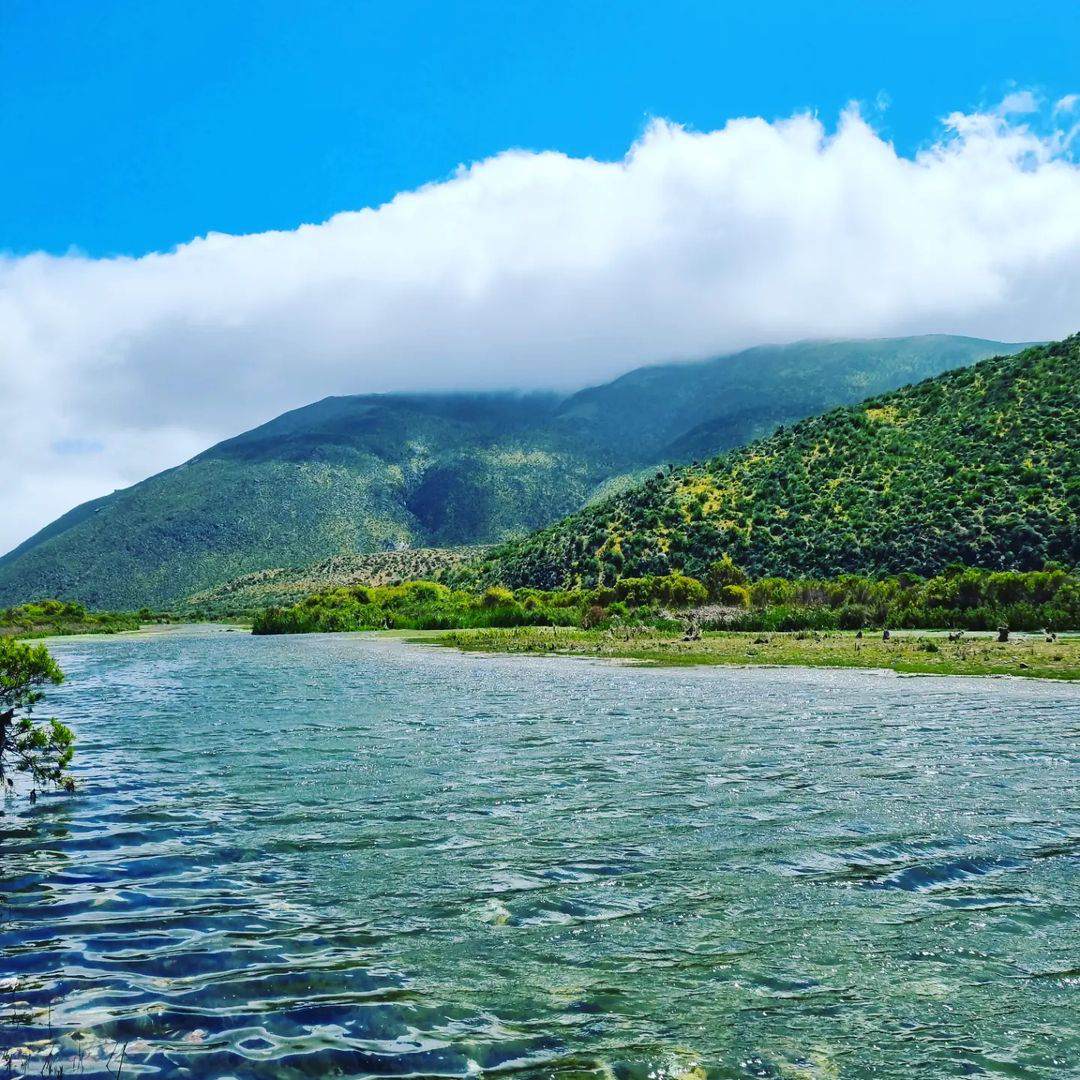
(733, 596)
(721, 574)
(965, 598)
(680, 591)
(674, 590)
(852, 617)
(593, 616)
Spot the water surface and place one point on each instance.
(338, 856)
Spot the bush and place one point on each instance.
(721, 574)
(674, 590)
(634, 591)
(497, 596)
(733, 596)
(594, 616)
(852, 617)
(965, 599)
(680, 591)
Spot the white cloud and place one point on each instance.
(532, 270)
(1018, 103)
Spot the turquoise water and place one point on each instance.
(338, 856)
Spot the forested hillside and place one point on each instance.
(978, 466)
(364, 474)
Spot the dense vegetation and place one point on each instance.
(372, 473)
(282, 586)
(961, 598)
(47, 617)
(42, 750)
(979, 466)
(427, 605)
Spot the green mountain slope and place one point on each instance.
(979, 466)
(380, 472)
(342, 476)
(679, 412)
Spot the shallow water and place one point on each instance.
(315, 856)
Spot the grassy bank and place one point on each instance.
(917, 653)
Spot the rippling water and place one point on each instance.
(338, 856)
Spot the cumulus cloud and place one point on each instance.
(529, 270)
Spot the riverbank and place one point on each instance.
(909, 652)
(152, 630)
(50, 618)
(914, 653)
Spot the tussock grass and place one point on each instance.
(917, 653)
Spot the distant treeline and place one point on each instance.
(427, 605)
(961, 598)
(46, 617)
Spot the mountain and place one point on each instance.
(980, 466)
(372, 473)
(677, 412)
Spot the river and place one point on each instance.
(346, 856)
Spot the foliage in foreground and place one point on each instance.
(44, 749)
(961, 598)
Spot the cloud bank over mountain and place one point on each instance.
(536, 270)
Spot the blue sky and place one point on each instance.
(133, 125)
(613, 210)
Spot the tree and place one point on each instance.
(42, 749)
(722, 573)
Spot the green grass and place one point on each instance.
(916, 653)
(49, 618)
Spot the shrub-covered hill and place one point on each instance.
(373, 473)
(284, 585)
(978, 466)
(683, 412)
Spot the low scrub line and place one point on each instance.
(962, 598)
